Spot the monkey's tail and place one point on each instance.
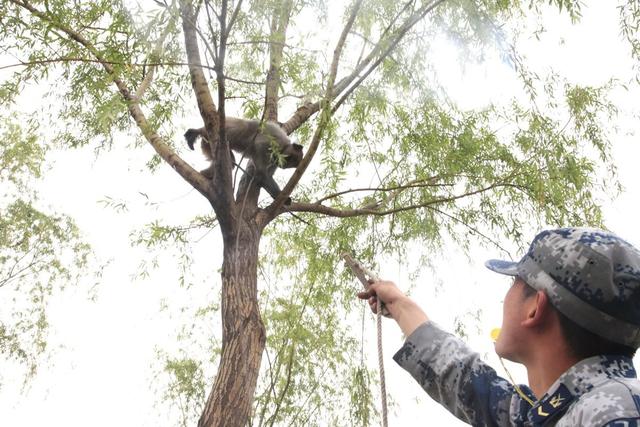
(191, 135)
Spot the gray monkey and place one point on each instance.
(255, 140)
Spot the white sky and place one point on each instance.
(103, 374)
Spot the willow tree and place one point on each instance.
(388, 160)
(41, 252)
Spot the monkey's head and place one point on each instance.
(292, 156)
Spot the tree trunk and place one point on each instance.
(243, 334)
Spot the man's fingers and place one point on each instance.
(373, 304)
(364, 295)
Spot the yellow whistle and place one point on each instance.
(495, 333)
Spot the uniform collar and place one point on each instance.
(577, 380)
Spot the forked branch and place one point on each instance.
(222, 192)
(325, 117)
(389, 40)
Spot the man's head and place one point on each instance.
(591, 277)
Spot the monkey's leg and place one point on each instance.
(267, 182)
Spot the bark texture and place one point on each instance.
(243, 333)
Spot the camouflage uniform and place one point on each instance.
(593, 278)
(598, 391)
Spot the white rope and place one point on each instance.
(361, 273)
(383, 385)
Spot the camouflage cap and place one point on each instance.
(591, 276)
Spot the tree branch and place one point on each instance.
(382, 49)
(146, 81)
(222, 192)
(184, 169)
(429, 182)
(325, 117)
(131, 64)
(213, 52)
(232, 21)
(283, 393)
(348, 213)
(473, 229)
(96, 61)
(249, 190)
(279, 24)
(29, 267)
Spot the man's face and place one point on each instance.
(511, 343)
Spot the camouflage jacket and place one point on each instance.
(598, 391)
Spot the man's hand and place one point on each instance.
(387, 291)
(406, 312)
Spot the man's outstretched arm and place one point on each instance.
(446, 368)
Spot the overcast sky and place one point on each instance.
(102, 376)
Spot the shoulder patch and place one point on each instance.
(552, 406)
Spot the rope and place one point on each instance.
(383, 385)
(361, 273)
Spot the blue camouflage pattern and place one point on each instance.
(600, 391)
(591, 276)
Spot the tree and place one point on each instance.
(388, 160)
(40, 252)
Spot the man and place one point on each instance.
(571, 317)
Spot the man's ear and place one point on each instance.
(537, 309)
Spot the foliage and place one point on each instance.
(399, 167)
(40, 252)
(186, 387)
(630, 28)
